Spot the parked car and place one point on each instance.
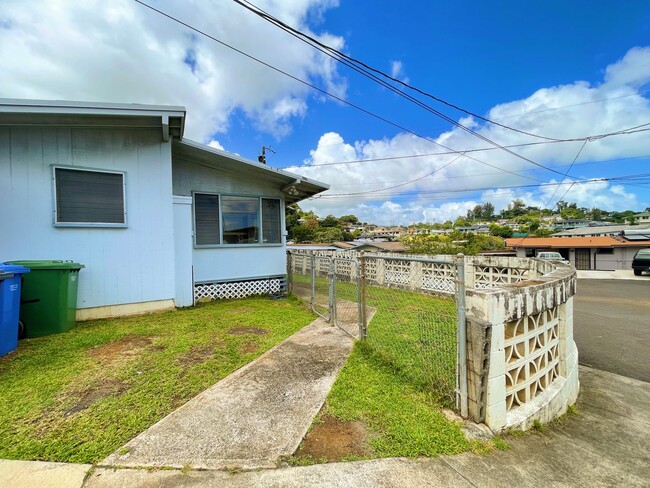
(641, 261)
(552, 256)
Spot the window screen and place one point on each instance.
(92, 197)
(206, 219)
(271, 221)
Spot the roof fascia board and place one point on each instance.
(8, 105)
(291, 176)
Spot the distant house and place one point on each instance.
(476, 229)
(598, 231)
(598, 253)
(567, 224)
(157, 220)
(642, 218)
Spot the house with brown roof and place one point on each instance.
(599, 253)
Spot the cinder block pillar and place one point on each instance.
(565, 316)
(415, 275)
(381, 271)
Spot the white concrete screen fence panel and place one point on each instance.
(531, 372)
(522, 362)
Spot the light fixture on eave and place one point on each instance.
(291, 189)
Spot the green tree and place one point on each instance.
(501, 231)
(329, 221)
(302, 233)
(350, 219)
(328, 235)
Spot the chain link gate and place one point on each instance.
(347, 296)
(409, 309)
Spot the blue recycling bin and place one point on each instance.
(10, 285)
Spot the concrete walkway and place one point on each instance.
(254, 416)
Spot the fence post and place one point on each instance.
(363, 326)
(461, 335)
(289, 272)
(332, 292)
(312, 299)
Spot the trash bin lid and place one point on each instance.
(49, 264)
(13, 268)
(5, 276)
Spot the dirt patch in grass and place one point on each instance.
(196, 355)
(335, 440)
(85, 398)
(127, 347)
(247, 331)
(249, 347)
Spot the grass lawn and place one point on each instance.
(79, 396)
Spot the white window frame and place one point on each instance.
(260, 241)
(87, 224)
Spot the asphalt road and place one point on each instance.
(612, 326)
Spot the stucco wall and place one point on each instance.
(225, 263)
(123, 265)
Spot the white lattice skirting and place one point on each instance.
(239, 289)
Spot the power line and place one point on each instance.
(336, 54)
(621, 179)
(565, 174)
(325, 92)
(524, 114)
(632, 130)
(361, 67)
(498, 173)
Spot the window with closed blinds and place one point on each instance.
(271, 221)
(89, 197)
(206, 219)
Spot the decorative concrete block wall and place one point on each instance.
(532, 370)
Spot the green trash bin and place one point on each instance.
(49, 296)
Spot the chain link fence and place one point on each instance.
(405, 308)
(415, 333)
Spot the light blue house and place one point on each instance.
(159, 221)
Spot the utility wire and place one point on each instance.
(338, 54)
(566, 174)
(523, 114)
(401, 184)
(362, 68)
(325, 92)
(451, 177)
(621, 179)
(632, 130)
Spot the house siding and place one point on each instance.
(122, 265)
(229, 263)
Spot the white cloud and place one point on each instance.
(568, 111)
(397, 71)
(119, 51)
(215, 144)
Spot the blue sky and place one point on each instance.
(557, 69)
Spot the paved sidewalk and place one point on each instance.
(619, 274)
(252, 417)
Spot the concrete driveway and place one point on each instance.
(612, 325)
